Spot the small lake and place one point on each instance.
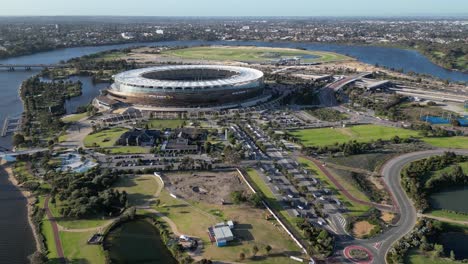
(451, 199)
(137, 242)
(89, 91)
(457, 242)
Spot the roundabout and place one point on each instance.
(358, 254)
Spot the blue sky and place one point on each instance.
(234, 7)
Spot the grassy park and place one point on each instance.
(253, 54)
(193, 218)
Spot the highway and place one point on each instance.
(391, 171)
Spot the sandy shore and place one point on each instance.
(30, 200)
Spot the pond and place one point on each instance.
(137, 242)
(457, 242)
(451, 199)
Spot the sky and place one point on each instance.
(234, 7)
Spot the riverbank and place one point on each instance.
(30, 201)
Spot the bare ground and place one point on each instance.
(362, 228)
(210, 187)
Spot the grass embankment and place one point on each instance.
(257, 54)
(366, 133)
(194, 218)
(107, 138)
(448, 142)
(104, 138)
(416, 257)
(272, 200)
(354, 209)
(74, 117)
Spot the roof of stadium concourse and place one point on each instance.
(135, 78)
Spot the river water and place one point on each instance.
(10, 103)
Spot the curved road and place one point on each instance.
(391, 171)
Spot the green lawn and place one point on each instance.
(448, 142)
(165, 123)
(139, 188)
(74, 117)
(415, 257)
(366, 133)
(257, 54)
(361, 133)
(128, 150)
(77, 250)
(104, 138)
(354, 209)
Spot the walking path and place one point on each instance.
(55, 230)
(382, 207)
(78, 230)
(444, 219)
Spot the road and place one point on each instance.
(391, 171)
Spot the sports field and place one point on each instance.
(362, 133)
(253, 54)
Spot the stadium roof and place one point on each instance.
(135, 78)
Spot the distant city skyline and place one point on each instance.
(235, 8)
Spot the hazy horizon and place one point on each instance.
(239, 8)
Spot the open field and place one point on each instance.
(361, 133)
(165, 123)
(366, 133)
(354, 209)
(194, 217)
(252, 54)
(104, 138)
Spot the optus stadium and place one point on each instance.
(187, 86)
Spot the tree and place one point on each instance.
(268, 249)
(438, 251)
(452, 255)
(254, 250)
(18, 139)
(241, 256)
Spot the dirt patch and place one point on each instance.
(210, 187)
(387, 217)
(362, 228)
